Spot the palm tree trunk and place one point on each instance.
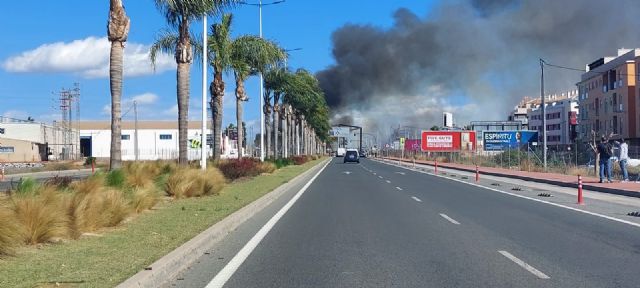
(276, 126)
(115, 76)
(240, 97)
(267, 132)
(217, 94)
(183, 112)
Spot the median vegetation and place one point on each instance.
(101, 230)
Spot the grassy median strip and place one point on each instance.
(108, 259)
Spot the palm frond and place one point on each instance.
(166, 42)
(175, 11)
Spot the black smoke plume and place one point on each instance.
(475, 58)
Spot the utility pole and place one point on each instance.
(544, 116)
(135, 127)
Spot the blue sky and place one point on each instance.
(62, 42)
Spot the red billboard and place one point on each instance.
(448, 141)
(412, 144)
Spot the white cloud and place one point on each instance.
(173, 111)
(88, 57)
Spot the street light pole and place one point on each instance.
(544, 116)
(203, 142)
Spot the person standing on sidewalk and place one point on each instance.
(604, 150)
(623, 157)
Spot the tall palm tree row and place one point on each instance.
(179, 14)
(117, 32)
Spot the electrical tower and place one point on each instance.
(69, 100)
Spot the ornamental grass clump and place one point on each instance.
(190, 182)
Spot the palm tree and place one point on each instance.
(117, 32)
(179, 14)
(219, 47)
(275, 84)
(250, 55)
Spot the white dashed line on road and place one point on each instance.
(399, 189)
(380, 177)
(524, 265)
(449, 219)
(388, 181)
(416, 198)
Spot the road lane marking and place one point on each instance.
(401, 173)
(380, 177)
(449, 219)
(225, 274)
(524, 265)
(416, 198)
(400, 189)
(637, 225)
(388, 181)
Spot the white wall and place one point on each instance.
(150, 146)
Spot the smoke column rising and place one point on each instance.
(475, 58)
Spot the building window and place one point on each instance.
(166, 136)
(125, 137)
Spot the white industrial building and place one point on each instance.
(156, 140)
(57, 141)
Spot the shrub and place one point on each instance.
(94, 206)
(239, 168)
(26, 186)
(299, 160)
(140, 175)
(116, 178)
(10, 231)
(267, 167)
(143, 198)
(190, 182)
(281, 162)
(41, 215)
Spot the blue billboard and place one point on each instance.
(505, 140)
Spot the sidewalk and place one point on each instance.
(631, 189)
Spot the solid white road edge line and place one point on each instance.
(416, 198)
(400, 189)
(529, 198)
(225, 274)
(449, 219)
(524, 265)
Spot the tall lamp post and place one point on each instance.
(259, 5)
(203, 141)
(286, 66)
(543, 111)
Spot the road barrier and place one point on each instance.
(580, 201)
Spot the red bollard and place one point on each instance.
(2, 175)
(436, 170)
(477, 173)
(580, 190)
(93, 167)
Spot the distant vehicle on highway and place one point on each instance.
(340, 152)
(351, 155)
(363, 154)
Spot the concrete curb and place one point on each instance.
(169, 266)
(537, 180)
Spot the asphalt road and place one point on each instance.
(375, 225)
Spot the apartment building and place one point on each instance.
(562, 119)
(608, 97)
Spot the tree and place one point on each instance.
(117, 32)
(179, 14)
(275, 84)
(219, 48)
(250, 55)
